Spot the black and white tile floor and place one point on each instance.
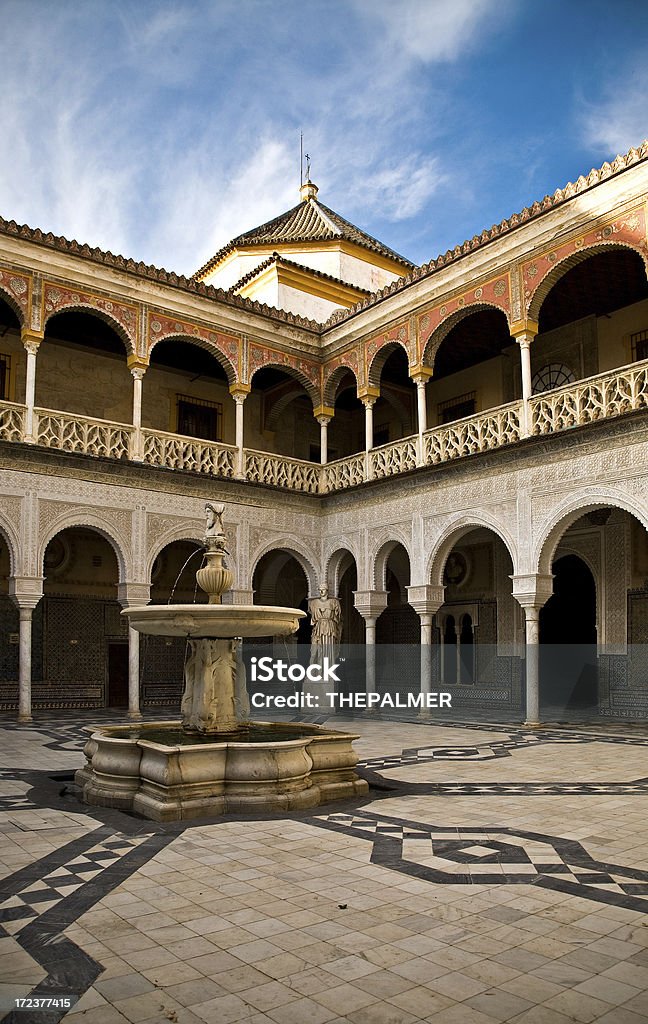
(493, 874)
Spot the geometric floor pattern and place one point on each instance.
(492, 874)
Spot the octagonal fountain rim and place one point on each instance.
(124, 734)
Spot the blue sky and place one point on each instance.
(161, 129)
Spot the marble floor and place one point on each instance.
(492, 874)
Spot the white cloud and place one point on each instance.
(430, 30)
(620, 119)
(161, 130)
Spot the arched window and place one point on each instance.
(553, 375)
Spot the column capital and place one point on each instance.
(533, 590)
(137, 366)
(426, 600)
(239, 391)
(323, 412)
(130, 594)
(369, 395)
(524, 331)
(31, 339)
(26, 591)
(370, 603)
(420, 374)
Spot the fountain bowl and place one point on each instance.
(156, 771)
(213, 620)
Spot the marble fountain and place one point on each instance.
(215, 760)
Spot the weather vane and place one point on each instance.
(307, 166)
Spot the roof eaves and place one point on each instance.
(583, 184)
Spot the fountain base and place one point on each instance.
(161, 773)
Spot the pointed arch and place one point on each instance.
(333, 380)
(10, 299)
(375, 367)
(291, 371)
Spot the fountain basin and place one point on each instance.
(213, 620)
(263, 766)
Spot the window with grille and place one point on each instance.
(457, 408)
(639, 342)
(200, 418)
(553, 375)
(4, 376)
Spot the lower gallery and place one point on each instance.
(458, 453)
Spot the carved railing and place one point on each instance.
(190, 454)
(396, 457)
(72, 433)
(11, 421)
(600, 397)
(278, 471)
(481, 433)
(342, 473)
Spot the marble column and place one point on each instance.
(129, 595)
(31, 341)
(532, 591)
(25, 592)
(426, 601)
(524, 335)
(239, 393)
(370, 604)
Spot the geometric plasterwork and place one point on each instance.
(17, 288)
(307, 371)
(114, 523)
(228, 346)
(628, 229)
(494, 293)
(399, 335)
(10, 516)
(57, 298)
(262, 542)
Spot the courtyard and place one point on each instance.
(493, 873)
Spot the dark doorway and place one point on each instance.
(117, 675)
(568, 656)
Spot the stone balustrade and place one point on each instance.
(279, 471)
(343, 473)
(480, 433)
(172, 451)
(396, 457)
(603, 396)
(72, 433)
(11, 421)
(600, 397)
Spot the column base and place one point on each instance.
(532, 725)
(135, 716)
(25, 718)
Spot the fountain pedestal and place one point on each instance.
(214, 761)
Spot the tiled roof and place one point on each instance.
(307, 222)
(278, 258)
(561, 195)
(151, 273)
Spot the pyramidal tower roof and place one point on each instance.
(309, 221)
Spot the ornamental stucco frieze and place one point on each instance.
(114, 523)
(495, 293)
(332, 372)
(308, 371)
(58, 297)
(400, 334)
(17, 287)
(161, 326)
(626, 230)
